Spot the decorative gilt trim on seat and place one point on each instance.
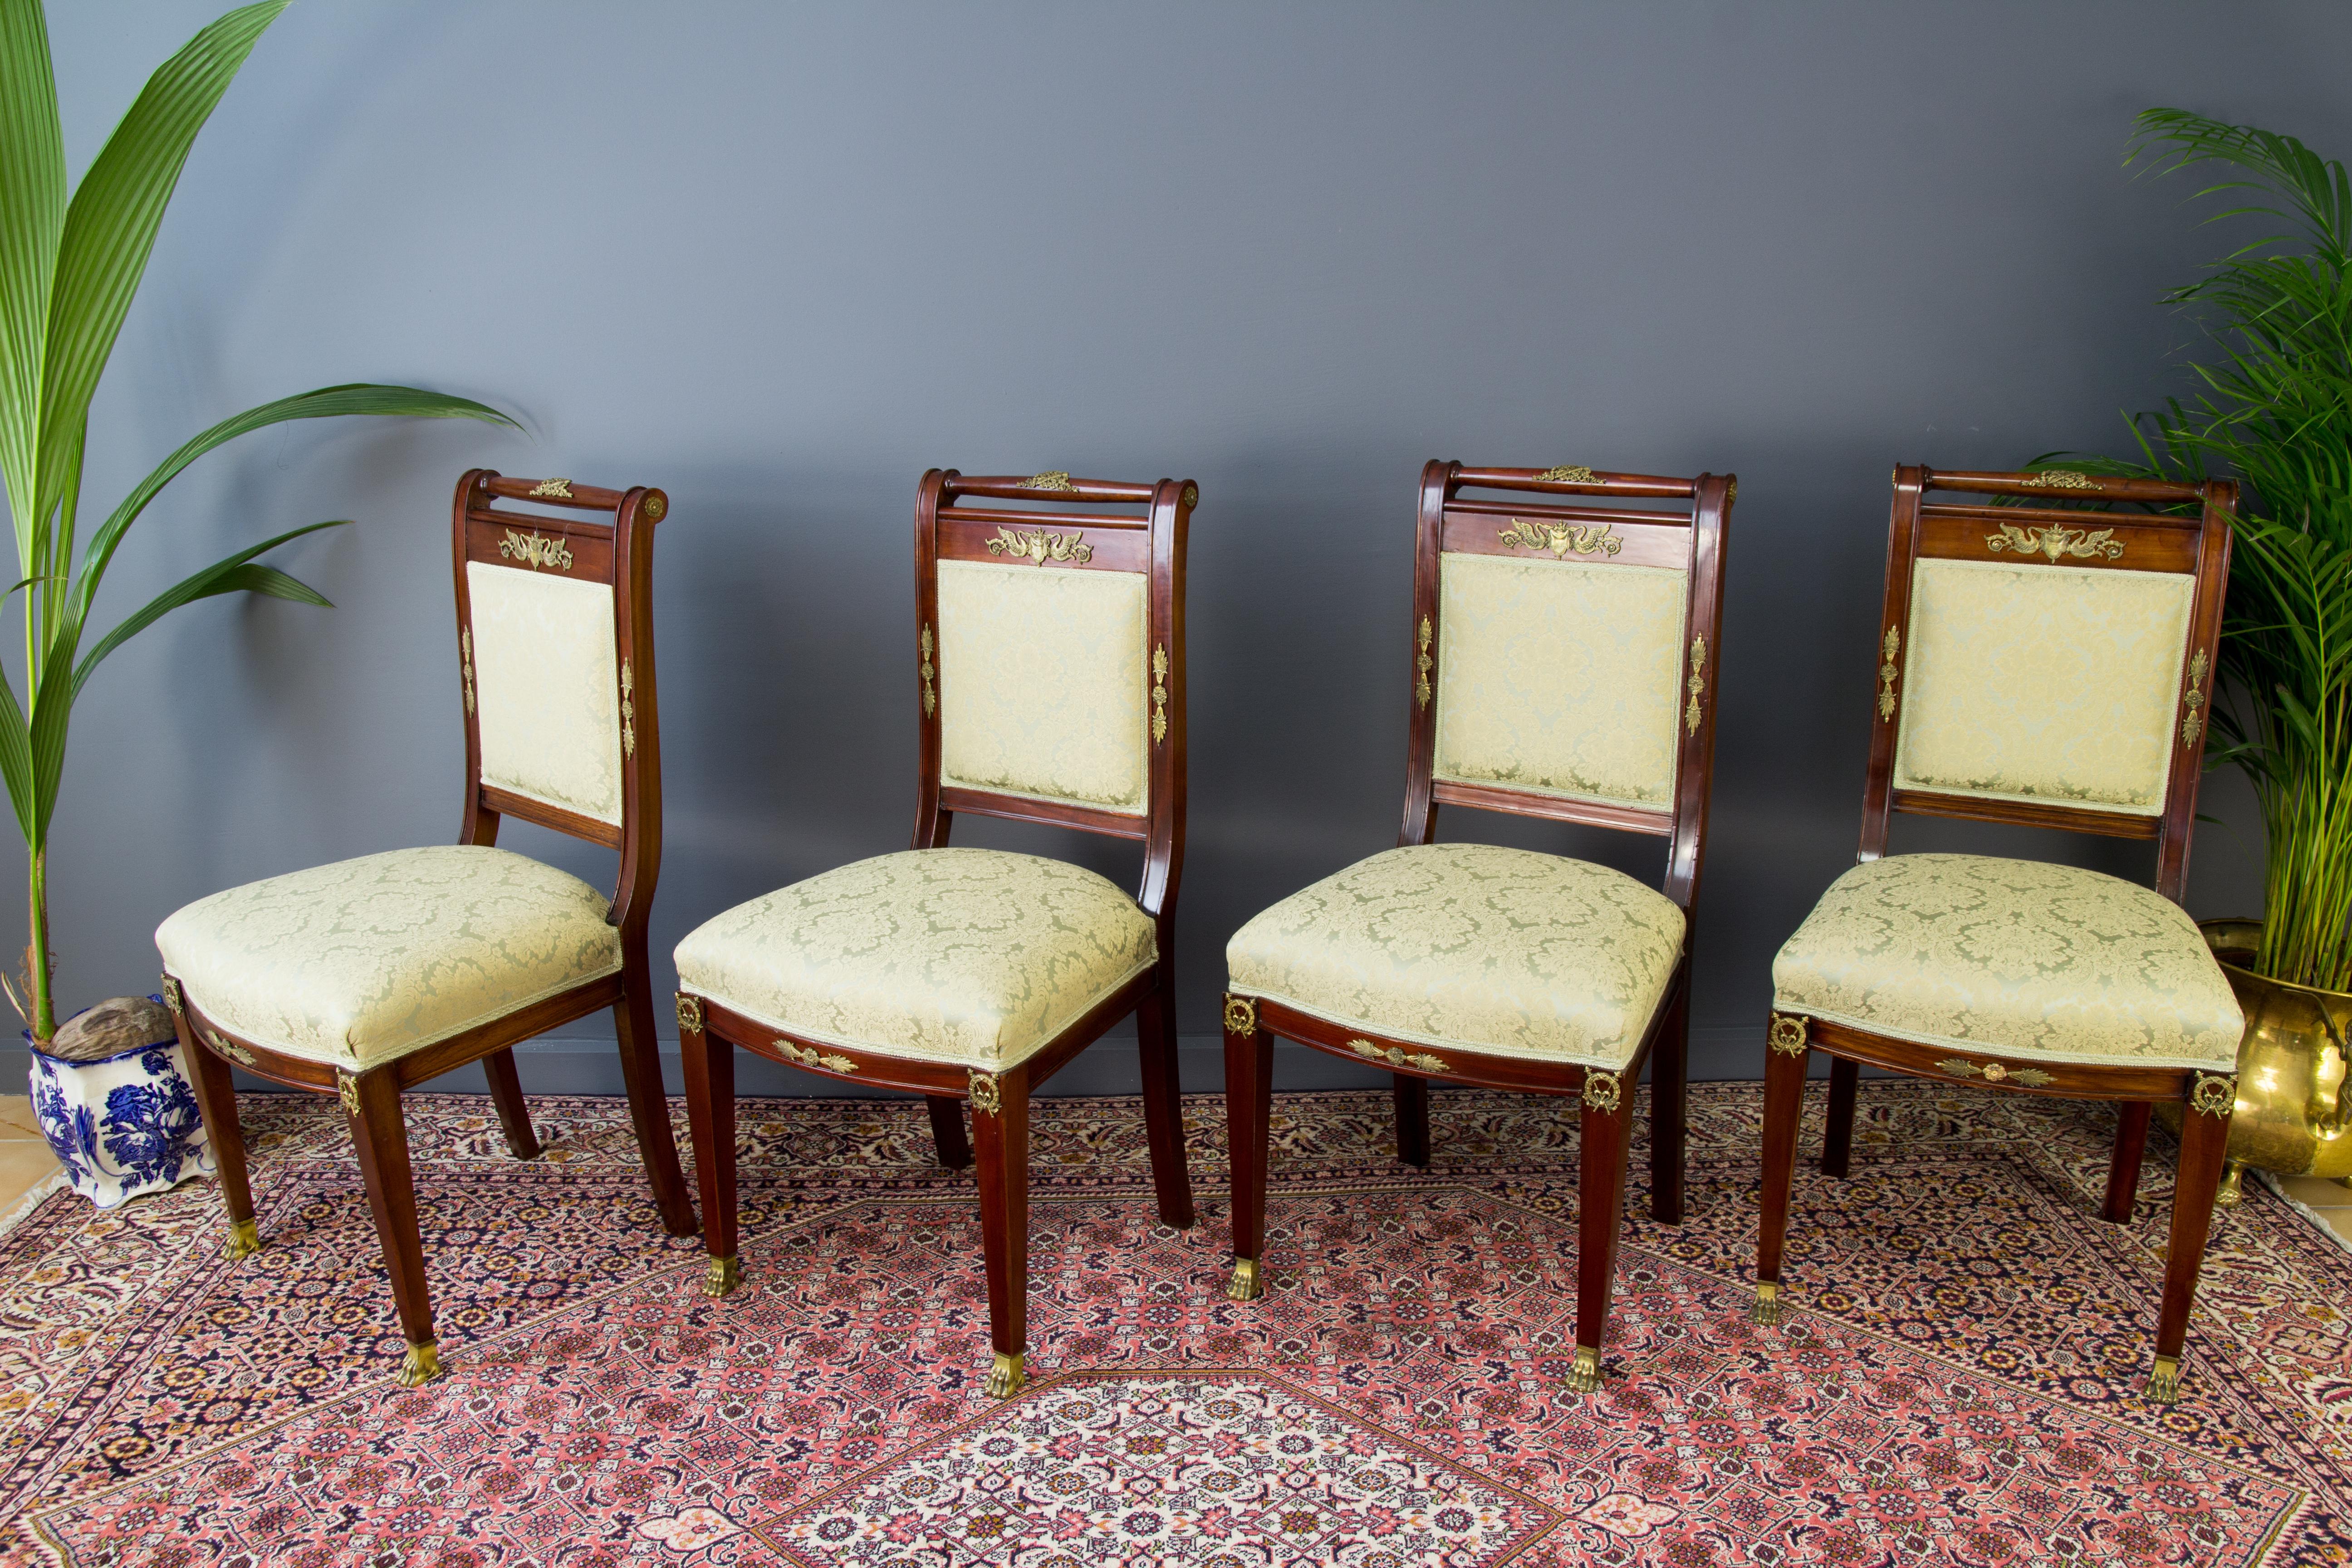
(2214, 1094)
(1696, 686)
(2055, 541)
(228, 1048)
(1561, 538)
(562, 487)
(1399, 1058)
(1051, 479)
(347, 1089)
(1248, 1281)
(1603, 1092)
(1994, 1072)
(628, 711)
(172, 995)
(1786, 1034)
(1159, 694)
(929, 671)
(1888, 671)
(2062, 479)
(1031, 544)
(810, 1057)
(1566, 476)
(1240, 1015)
(2192, 704)
(985, 1093)
(466, 665)
(1421, 664)
(689, 1012)
(537, 548)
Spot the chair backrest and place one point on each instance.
(1050, 659)
(555, 658)
(1564, 654)
(2047, 664)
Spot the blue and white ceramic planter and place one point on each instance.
(123, 1125)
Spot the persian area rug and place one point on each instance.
(1958, 1382)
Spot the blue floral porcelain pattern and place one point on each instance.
(124, 1125)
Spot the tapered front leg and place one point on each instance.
(1249, 1116)
(1000, 1123)
(709, 1063)
(1785, 1057)
(372, 1106)
(1669, 1080)
(514, 1116)
(632, 1022)
(2123, 1165)
(1601, 1207)
(1837, 1134)
(1163, 1103)
(1412, 1096)
(2204, 1143)
(946, 1131)
(217, 1100)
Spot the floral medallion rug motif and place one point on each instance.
(1958, 1382)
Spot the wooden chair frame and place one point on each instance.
(2196, 544)
(1694, 541)
(618, 553)
(1153, 546)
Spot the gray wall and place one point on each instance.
(780, 259)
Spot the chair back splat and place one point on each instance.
(1565, 654)
(1050, 642)
(555, 650)
(2045, 663)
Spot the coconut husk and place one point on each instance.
(117, 1024)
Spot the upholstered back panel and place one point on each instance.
(1560, 676)
(1042, 688)
(546, 687)
(2050, 683)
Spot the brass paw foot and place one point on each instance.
(1006, 1377)
(1767, 1308)
(2164, 1382)
(724, 1274)
(421, 1365)
(1584, 1377)
(2230, 1193)
(1248, 1281)
(244, 1239)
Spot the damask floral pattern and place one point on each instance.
(1560, 676)
(1042, 682)
(548, 684)
(1959, 1384)
(2052, 683)
(2016, 956)
(366, 959)
(1495, 950)
(961, 955)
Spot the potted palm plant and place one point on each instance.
(2271, 405)
(69, 264)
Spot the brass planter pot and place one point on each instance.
(2291, 1104)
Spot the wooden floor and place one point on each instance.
(24, 1159)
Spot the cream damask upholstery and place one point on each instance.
(547, 682)
(2015, 957)
(1560, 676)
(1042, 688)
(366, 959)
(2047, 683)
(972, 956)
(1501, 951)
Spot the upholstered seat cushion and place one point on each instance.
(1502, 950)
(970, 956)
(2014, 957)
(366, 959)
